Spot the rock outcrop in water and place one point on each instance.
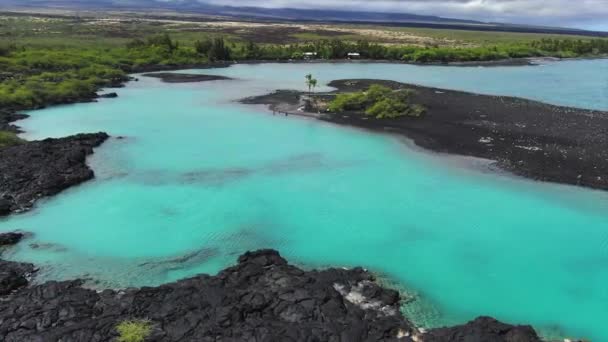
(262, 298)
(9, 239)
(172, 77)
(13, 275)
(43, 168)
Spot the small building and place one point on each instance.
(353, 55)
(310, 55)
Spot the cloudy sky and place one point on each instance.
(590, 14)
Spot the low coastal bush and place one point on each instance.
(378, 101)
(134, 330)
(9, 138)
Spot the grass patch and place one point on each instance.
(9, 139)
(482, 38)
(134, 330)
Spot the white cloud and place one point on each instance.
(543, 12)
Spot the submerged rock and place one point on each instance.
(8, 239)
(108, 95)
(172, 77)
(262, 298)
(43, 168)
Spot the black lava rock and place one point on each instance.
(262, 298)
(8, 239)
(171, 77)
(6, 117)
(483, 329)
(37, 169)
(5, 207)
(13, 275)
(109, 95)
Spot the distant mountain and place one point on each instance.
(291, 14)
(194, 6)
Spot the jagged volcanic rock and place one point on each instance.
(37, 169)
(483, 329)
(6, 119)
(13, 275)
(262, 298)
(9, 239)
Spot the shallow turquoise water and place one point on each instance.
(200, 179)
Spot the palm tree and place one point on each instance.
(313, 83)
(309, 82)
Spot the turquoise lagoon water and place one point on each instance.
(199, 179)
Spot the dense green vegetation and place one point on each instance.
(337, 49)
(572, 47)
(214, 50)
(35, 77)
(134, 331)
(378, 101)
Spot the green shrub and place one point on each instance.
(134, 330)
(376, 93)
(417, 110)
(378, 101)
(344, 102)
(360, 100)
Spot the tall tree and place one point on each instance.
(313, 83)
(203, 46)
(310, 81)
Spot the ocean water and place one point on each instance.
(199, 179)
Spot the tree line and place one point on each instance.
(218, 49)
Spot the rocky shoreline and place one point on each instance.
(6, 119)
(36, 169)
(529, 138)
(261, 298)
